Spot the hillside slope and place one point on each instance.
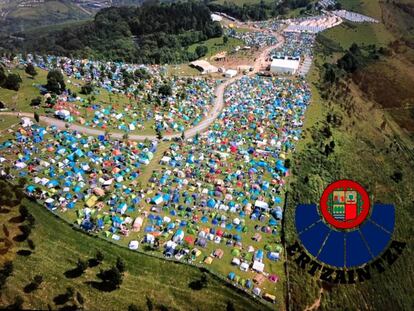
(52, 250)
(25, 15)
(366, 118)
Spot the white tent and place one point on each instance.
(284, 65)
(258, 266)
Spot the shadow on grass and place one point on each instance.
(16, 220)
(73, 273)
(3, 251)
(30, 288)
(93, 262)
(102, 286)
(24, 252)
(4, 210)
(69, 308)
(61, 299)
(20, 238)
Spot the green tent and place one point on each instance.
(268, 247)
(235, 252)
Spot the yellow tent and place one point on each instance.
(91, 201)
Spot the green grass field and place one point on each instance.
(362, 34)
(215, 45)
(57, 249)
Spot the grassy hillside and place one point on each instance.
(55, 249)
(23, 18)
(372, 146)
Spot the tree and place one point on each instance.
(53, 86)
(142, 73)
(30, 70)
(81, 265)
(87, 88)
(201, 50)
(3, 75)
(133, 307)
(36, 117)
(230, 306)
(159, 134)
(165, 90)
(18, 303)
(99, 256)
(120, 264)
(38, 280)
(80, 298)
(112, 277)
(12, 82)
(55, 82)
(23, 211)
(150, 304)
(36, 101)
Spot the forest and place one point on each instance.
(153, 33)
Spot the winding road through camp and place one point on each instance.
(203, 125)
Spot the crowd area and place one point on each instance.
(94, 179)
(147, 103)
(297, 44)
(216, 198)
(253, 38)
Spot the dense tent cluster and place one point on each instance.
(220, 194)
(94, 178)
(253, 38)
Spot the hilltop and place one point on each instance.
(130, 34)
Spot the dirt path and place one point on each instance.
(203, 125)
(317, 303)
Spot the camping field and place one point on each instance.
(20, 100)
(149, 283)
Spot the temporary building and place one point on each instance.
(262, 205)
(258, 266)
(284, 65)
(204, 66)
(62, 114)
(244, 266)
(26, 122)
(230, 73)
(235, 261)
